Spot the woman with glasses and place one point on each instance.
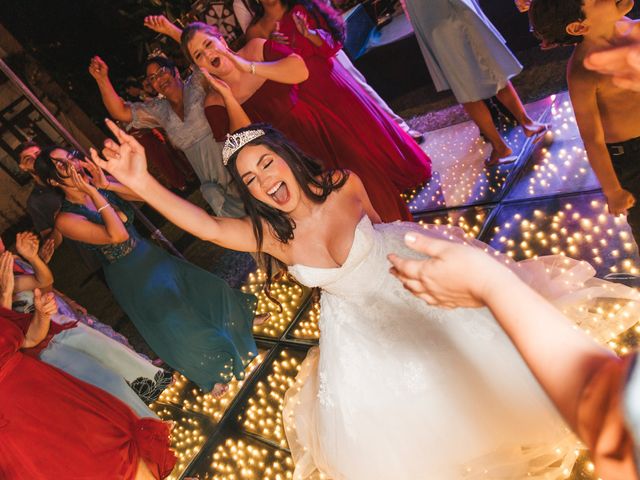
(179, 110)
(189, 317)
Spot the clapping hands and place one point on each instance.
(27, 244)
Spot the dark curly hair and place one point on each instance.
(315, 183)
(549, 20)
(322, 13)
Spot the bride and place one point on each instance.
(397, 389)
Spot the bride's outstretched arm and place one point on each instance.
(562, 358)
(127, 162)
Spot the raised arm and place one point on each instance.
(79, 228)
(117, 107)
(27, 245)
(290, 69)
(46, 306)
(238, 118)
(128, 164)
(582, 89)
(101, 181)
(162, 25)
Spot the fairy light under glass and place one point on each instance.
(263, 414)
(245, 458)
(290, 294)
(307, 327)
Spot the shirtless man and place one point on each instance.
(608, 116)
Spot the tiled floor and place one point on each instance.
(546, 202)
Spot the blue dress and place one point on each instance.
(191, 318)
(194, 137)
(463, 51)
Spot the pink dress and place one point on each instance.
(320, 133)
(389, 147)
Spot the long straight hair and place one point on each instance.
(315, 184)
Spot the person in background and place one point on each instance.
(266, 24)
(608, 116)
(80, 350)
(169, 163)
(466, 54)
(597, 393)
(190, 318)
(180, 112)
(43, 203)
(76, 429)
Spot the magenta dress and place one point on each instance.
(388, 146)
(323, 135)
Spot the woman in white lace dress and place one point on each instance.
(397, 389)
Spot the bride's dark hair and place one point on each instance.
(315, 183)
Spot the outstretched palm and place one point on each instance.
(125, 159)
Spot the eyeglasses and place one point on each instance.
(159, 73)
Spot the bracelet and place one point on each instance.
(252, 66)
(103, 207)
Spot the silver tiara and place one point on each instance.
(236, 141)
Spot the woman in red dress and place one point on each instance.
(53, 425)
(245, 78)
(315, 31)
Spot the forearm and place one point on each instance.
(178, 211)
(122, 190)
(238, 118)
(174, 33)
(42, 273)
(38, 329)
(289, 70)
(544, 337)
(601, 164)
(6, 299)
(116, 107)
(112, 222)
(57, 237)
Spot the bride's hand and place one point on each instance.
(453, 275)
(125, 160)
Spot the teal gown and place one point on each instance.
(191, 318)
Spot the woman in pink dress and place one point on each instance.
(249, 78)
(315, 31)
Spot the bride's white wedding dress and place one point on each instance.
(399, 390)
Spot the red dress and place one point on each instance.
(329, 84)
(53, 425)
(322, 134)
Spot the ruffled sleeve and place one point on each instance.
(146, 114)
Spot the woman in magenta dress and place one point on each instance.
(248, 79)
(315, 31)
(53, 425)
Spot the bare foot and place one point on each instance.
(260, 319)
(501, 156)
(219, 389)
(535, 130)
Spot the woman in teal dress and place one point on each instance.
(192, 319)
(466, 54)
